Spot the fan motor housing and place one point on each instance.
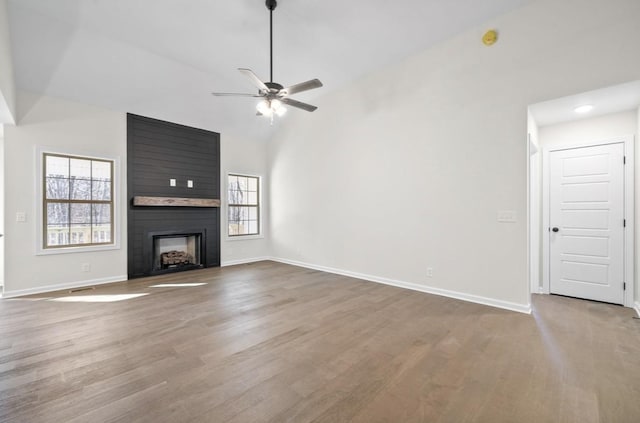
(271, 4)
(273, 86)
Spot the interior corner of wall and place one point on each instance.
(8, 107)
(7, 111)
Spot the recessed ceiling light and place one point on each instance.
(586, 108)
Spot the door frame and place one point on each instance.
(629, 212)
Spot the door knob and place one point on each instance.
(555, 229)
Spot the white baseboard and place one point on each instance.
(520, 308)
(243, 261)
(63, 286)
(637, 308)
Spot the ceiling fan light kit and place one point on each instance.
(274, 96)
(269, 108)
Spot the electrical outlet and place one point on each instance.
(172, 182)
(21, 217)
(189, 183)
(429, 272)
(85, 267)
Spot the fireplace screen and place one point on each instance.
(177, 251)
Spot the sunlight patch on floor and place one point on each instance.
(26, 299)
(98, 298)
(178, 285)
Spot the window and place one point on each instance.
(244, 205)
(77, 201)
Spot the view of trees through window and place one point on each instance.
(244, 207)
(78, 201)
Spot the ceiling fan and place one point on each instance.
(275, 95)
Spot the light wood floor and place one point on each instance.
(269, 342)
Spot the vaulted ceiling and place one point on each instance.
(162, 58)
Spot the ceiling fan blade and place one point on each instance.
(254, 78)
(303, 86)
(236, 95)
(300, 105)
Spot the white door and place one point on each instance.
(586, 217)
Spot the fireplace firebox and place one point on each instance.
(176, 251)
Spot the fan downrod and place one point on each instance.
(271, 5)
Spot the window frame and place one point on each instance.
(41, 221)
(258, 206)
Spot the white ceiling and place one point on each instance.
(162, 58)
(618, 98)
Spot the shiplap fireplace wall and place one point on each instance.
(173, 182)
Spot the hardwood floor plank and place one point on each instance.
(269, 342)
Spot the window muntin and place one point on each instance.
(243, 193)
(77, 201)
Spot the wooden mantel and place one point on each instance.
(175, 202)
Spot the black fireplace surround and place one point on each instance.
(157, 152)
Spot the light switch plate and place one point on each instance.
(506, 216)
(21, 217)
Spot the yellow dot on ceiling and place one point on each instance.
(490, 37)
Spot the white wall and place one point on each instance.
(535, 206)
(1, 206)
(637, 204)
(408, 167)
(90, 130)
(7, 85)
(73, 127)
(584, 131)
(247, 158)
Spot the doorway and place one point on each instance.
(1, 209)
(583, 255)
(587, 223)
(588, 209)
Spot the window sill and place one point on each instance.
(69, 250)
(244, 237)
